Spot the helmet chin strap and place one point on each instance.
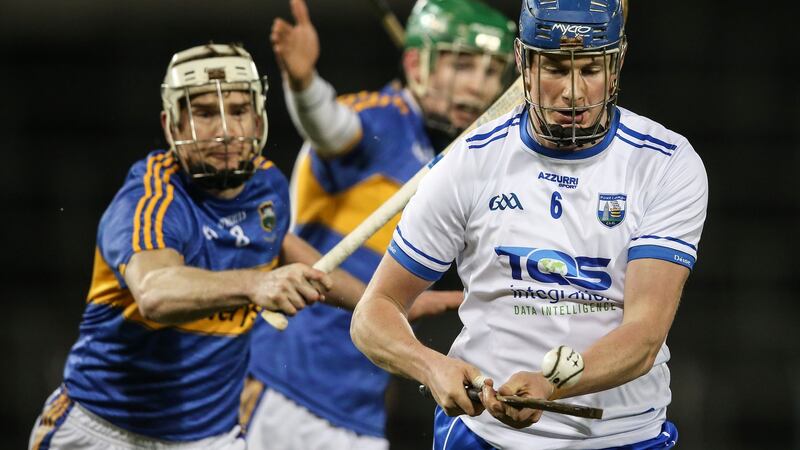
(563, 136)
(209, 178)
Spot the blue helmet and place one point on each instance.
(566, 30)
(543, 23)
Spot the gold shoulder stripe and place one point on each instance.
(370, 102)
(162, 210)
(266, 165)
(167, 163)
(377, 100)
(400, 103)
(137, 214)
(347, 100)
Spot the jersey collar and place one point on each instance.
(596, 149)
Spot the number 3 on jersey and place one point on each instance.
(555, 205)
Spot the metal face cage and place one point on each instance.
(570, 135)
(430, 58)
(220, 129)
(190, 152)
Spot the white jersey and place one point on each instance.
(542, 240)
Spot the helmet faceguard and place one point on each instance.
(564, 32)
(218, 70)
(456, 28)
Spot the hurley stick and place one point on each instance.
(350, 243)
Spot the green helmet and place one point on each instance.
(439, 27)
(465, 24)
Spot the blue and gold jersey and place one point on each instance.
(314, 356)
(177, 382)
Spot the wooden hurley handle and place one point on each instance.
(535, 403)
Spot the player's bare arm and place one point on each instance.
(169, 292)
(331, 127)
(432, 303)
(652, 292)
(380, 329)
(344, 290)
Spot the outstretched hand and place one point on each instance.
(296, 46)
(431, 303)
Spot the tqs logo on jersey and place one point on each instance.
(611, 209)
(267, 214)
(552, 266)
(503, 202)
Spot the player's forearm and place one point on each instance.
(381, 331)
(331, 127)
(181, 294)
(346, 290)
(622, 355)
(652, 293)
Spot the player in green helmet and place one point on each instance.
(310, 387)
(447, 41)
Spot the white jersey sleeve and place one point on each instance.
(673, 221)
(330, 126)
(432, 228)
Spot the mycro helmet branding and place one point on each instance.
(214, 69)
(570, 29)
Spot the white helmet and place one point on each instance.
(206, 69)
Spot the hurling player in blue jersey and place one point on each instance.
(187, 254)
(572, 221)
(360, 150)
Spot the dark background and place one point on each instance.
(80, 103)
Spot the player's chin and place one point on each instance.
(223, 161)
(464, 114)
(461, 120)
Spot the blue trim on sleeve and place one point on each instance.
(411, 265)
(662, 253)
(506, 124)
(631, 143)
(484, 144)
(421, 253)
(647, 137)
(652, 236)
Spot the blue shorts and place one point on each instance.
(450, 433)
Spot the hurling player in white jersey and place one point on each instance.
(571, 221)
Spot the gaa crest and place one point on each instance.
(267, 214)
(611, 209)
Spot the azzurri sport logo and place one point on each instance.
(503, 202)
(553, 266)
(561, 180)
